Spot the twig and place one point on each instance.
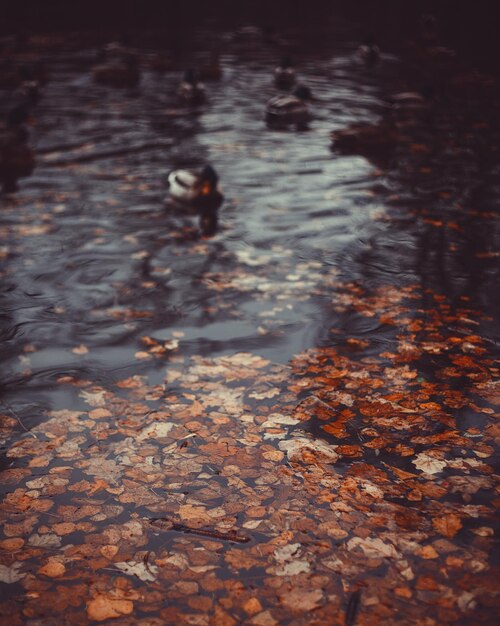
(19, 420)
(232, 535)
(352, 608)
(328, 406)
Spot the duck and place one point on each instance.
(211, 70)
(428, 28)
(248, 33)
(118, 72)
(284, 74)
(16, 157)
(198, 188)
(365, 138)
(290, 109)
(161, 62)
(191, 90)
(116, 50)
(33, 77)
(412, 106)
(369, 52)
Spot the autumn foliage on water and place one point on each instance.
(243, 491)
(354, 484)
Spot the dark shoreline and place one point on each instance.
(470, 28)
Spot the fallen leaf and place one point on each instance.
(104, 607)
(53, 569)
(11, 574)
(447, 525)
(143, 571)
(428, 464)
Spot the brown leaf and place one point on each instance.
(104, 607)
(52, 569)
(447, 525)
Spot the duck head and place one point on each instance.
(302, 92)
(209, 180)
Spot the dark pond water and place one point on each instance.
(93, 257)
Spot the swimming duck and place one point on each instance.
(247, 34)
(412, 106)
(191, 91)
(291, 109)
(369, 52)
(119, 72)
(428, 28)
(160, 62)
(196, 188)
(211, 70)
(284, 74)
(16, 157)
(32, 79)
(116, 50)
(365, 138)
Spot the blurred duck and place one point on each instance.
(191, 91)
(290, 109)
(369, 52)
(16, 157)
(248, 33)
(428, 28)
(115, 50)
(428, 47)
(211, 70)
(118, 72)
(284, 74)
(198, 188)
(412, 105)
(160, 62)
(33, 77)
(365, 138)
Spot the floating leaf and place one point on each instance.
(11, 574)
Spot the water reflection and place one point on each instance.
(94, 257)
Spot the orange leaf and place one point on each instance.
(447, 525)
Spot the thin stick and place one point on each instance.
(232, 535)
(19, 420)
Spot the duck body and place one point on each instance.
(117, 73)
(160, 63)
(115, 51)
(248, 34)
(16, 157)
(290, 109)
(118, 67)
(408, 102)
(365, 138)
(189, 187)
